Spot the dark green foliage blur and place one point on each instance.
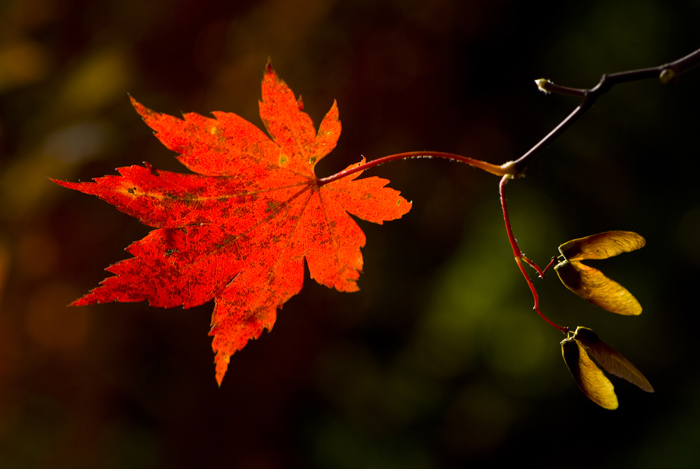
(439, 360)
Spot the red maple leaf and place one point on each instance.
(239, 230)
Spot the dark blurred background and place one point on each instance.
(438, 361)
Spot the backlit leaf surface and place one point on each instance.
(238, 230)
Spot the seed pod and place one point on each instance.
(590, 283)
(590, 379)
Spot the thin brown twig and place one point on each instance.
(519, 258)
(667, 73)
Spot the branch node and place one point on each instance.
(510, 168)
(542, 85)
(668, 75)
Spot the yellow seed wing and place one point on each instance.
(592, 285)
(590, 379)
(610, 359)
(601, 245)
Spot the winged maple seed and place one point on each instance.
(593, 383)
(239, 229)
(590, 283)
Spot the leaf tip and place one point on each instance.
(268, 68)
(82, 301)
(222, 360)
(142, 110)
(59, 182)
